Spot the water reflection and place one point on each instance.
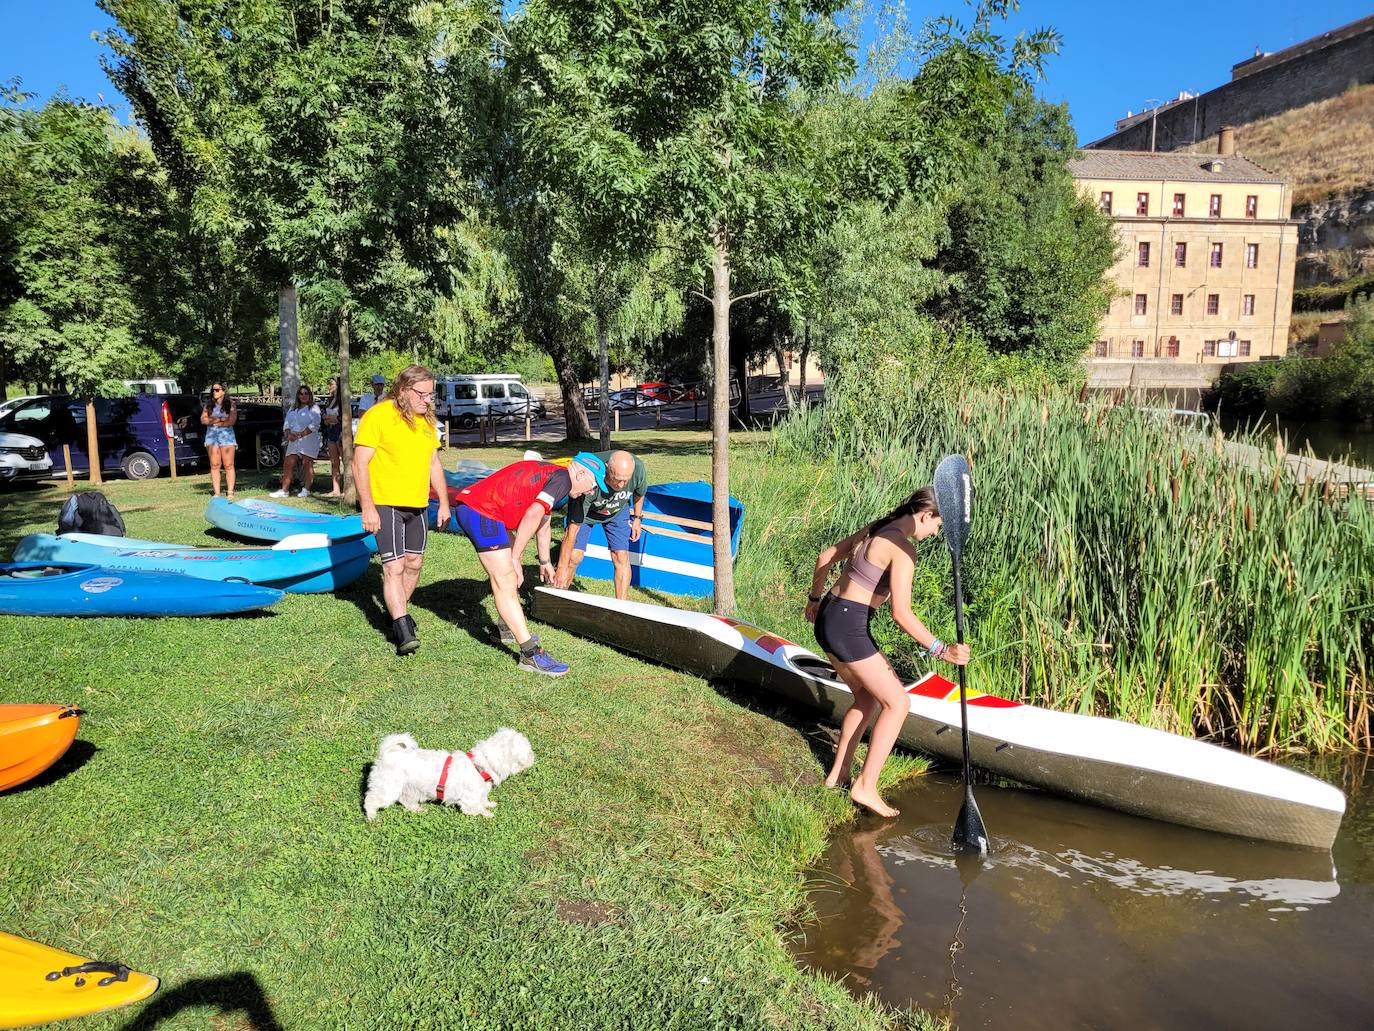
(1086, 916)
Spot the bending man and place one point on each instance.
(610, 509)
(395, 464)
(500, 513)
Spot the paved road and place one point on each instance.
(761, 409)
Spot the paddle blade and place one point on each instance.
(970, 836)
(954, 495)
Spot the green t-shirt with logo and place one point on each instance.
(600, 507)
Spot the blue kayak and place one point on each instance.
(64, 589)
(304, 564)
(267, 521)
(467, 473)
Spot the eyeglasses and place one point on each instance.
(216, 390)
(426, 394)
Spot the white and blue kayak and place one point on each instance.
(466, 474)
(306, 563)
(63, 589)
(259, 520)
(1138, 770)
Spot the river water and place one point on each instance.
(1083, 917)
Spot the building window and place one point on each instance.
(1252, 255)
(1243, 348)
(1251, 206)
(1213, 304)
(1178, 205)
(1140, 304)
(1142, 255)
(1214, 206)
(1105, 204)
(1100, 349)
(1226, 348)
(1180, 255)
(1142, 203)
(1247, 304)
(1209, 349)
(1137, 348)
(1171, 348)
(1216, 255)
(1176, 304)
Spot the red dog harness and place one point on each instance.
(443, 776)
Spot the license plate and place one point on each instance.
(191, 436)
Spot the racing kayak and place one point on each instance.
(301, 564)
(467, 473)
(1138, 770)
(259, 520)
(32, 738)
(70, 589)
(39, 984)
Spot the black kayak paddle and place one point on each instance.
(954, 494)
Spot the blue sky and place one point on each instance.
(1115, 56)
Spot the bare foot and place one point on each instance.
(831, 782)
(872, 803)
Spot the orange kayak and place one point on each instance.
(32, 738)
(39, 984)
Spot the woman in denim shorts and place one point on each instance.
(219, 418)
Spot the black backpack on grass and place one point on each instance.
(90, 512)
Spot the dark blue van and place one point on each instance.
(135, 434)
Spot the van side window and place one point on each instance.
(490, 390)
(36, 412)
(465, 392)
(516, 390)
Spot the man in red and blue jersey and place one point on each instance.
(501, 512)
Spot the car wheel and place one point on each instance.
(140, 466)
(467, 421)
(269, 454)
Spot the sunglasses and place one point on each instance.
(216, 390)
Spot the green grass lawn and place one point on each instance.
(207, 825)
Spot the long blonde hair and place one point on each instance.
(400, 395)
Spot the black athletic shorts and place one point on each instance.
(403, 532)
(842, 629)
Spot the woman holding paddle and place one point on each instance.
(880, 561)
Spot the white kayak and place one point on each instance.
(1120, 765)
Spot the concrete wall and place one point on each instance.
(1317, 70)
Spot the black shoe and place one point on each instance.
(406, 641)
(410, 620)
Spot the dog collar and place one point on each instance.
(443, 778)
(473, 758)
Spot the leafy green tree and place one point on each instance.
(330, 141)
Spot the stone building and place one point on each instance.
(1208, 251)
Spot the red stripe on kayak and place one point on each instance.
(936, 686)
(768, 642)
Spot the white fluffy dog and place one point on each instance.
(406, 773)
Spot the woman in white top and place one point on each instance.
(302, 433)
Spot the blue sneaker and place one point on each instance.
(540, 661)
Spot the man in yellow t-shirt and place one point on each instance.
(395, 465)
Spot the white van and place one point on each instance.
(152, 386)
(465, 399)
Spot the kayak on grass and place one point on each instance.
(301, 564)
(466, 474)
(32, 738)
(73, 589)
(260, 520)
(1119, 765)
(39, 984)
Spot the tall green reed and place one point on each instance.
(1118, 564)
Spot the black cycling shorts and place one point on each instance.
(403, 532)
(842, 629)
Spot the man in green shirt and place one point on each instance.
(619, 510)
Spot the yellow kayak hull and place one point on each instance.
(39, 984)
(32, 738)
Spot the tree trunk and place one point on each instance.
(780, 353)
(720, 423)
(805, 351)
(350, 490)
(574, 411)
(289, 339)
(604, 352)
(93, 443)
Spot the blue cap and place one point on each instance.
(379, 378)
(598, 468)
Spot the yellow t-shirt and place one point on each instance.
(399, 470)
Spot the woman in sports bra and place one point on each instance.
(880, 561)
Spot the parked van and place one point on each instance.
(465, 399)
(134, 433)
(152, 386)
